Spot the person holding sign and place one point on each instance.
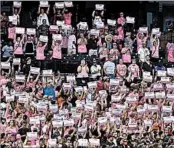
(16, 14)
(57, 53)
(43, 16)
(83, 70)
(49, 90)
(103, 52)
(18, 46)
(40, 49)
(121, 69)
(7, 51)
(57, 15)
(82, 42)
(67, 16)
(43, 29)
(126, 54)
(154, 46)
(121, 20)
(141, 38)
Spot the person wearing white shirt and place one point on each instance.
(95, 70)
(72, 44)
(42, 16)
(109, 68)
(143, 52)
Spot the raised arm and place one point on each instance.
(48, 9)
(38, 12)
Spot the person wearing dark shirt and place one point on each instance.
(92, 43)
(43, 29)
(23, 131)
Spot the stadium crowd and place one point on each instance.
(124, 99)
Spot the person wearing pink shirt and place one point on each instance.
(40, 48)
(18, 46)
(121, 69)
(114, 52)
(67, 17)
(11, 31)
(121, 20)
(133, 70)
(103, 52)
(120, 32)
(57, 54)
(82, 42)
(126, 54)
(141, 38)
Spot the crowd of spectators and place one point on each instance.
(122, 99)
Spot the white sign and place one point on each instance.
(161, 73)
(94, 32)
(66, 85)
(94, 142)
(170, 71)
(16, 61)
(152, 107)
(20, 30)
(78, 89)
(69, 122)
(60, 23)
(17, 4)
(170, 97)
(9, 98)
(170, 86)
(82, 26)
(59, 5)
(66, 27)
(149, 95)
(165, 79)
(167, 109)
(44, 4)
(99, 24)
(54, 28)
(34, 70)
(102, 120)
(131, 99)
(43, 38)
(52, 142)
(147, 77)
(148, 122)
(111, 22)
(143, 29)
(31, 135)
(115, 98)
(20, 78)
(68, 4)
(83, 142)
(130, 20)
(23, 99)
(92, 84)
(57, 123)
(70, 78)
(159, 95)
(114, 82)
(31, 31)
(47, 72)
(57, 37)
(155, 30)
(5, 65)
(99, 7)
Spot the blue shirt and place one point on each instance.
(49, 91)
(7, 51)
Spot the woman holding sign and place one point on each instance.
(82, 42)
(18, 46)
(40, 53)
(57, 53)
(154, 46)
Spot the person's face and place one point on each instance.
(44, 21)
(29, 38)
(18, 39)
(58, 11)
(81, 35)
(4, 14)
(121, 14)
(49, 84)
(144, 45)
(11, 123)
(104, 44)
(114, 46)
(83, 62)
(120, 61)
(40, 44)
(42, 11)
(133, 62)
(126, 45)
